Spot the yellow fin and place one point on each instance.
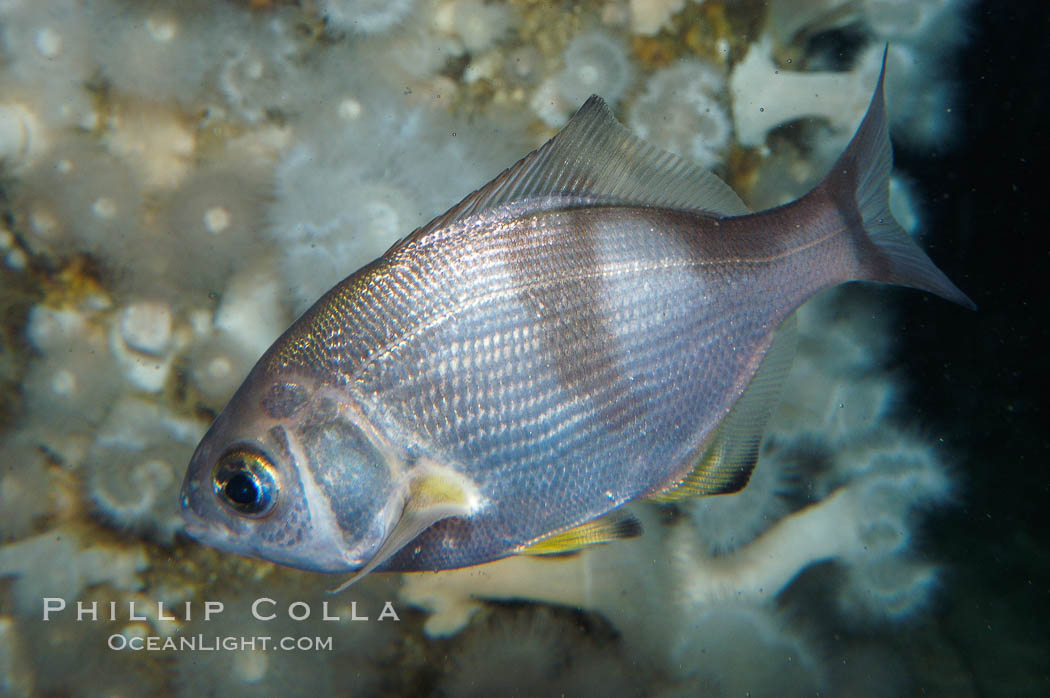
(437, 493)
(613, 526)
(726, 463)
(712, 475)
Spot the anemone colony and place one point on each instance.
(180, 179)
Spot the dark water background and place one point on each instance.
(980, 381)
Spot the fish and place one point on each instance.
(602, 323)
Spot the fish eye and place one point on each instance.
(245, 481)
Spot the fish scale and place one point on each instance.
(596, 426)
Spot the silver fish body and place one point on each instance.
(572, 337)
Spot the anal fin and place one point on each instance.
(726, 463)
(617, 525)
(716, 473)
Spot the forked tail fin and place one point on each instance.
(859, 184)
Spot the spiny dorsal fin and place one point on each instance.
(596, 160)
(436, 493)
(616, 525)
(726, 464)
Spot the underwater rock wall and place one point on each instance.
(181, 179)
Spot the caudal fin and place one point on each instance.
(859, 182)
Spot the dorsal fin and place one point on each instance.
(596, 160)
(726, 464)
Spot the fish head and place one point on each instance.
(291, 472)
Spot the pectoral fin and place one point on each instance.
(438, 493)
(725, 465)
(616, 525)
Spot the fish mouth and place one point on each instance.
(196, 526)
(195, 530)
(192, 523)
(214, 536)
